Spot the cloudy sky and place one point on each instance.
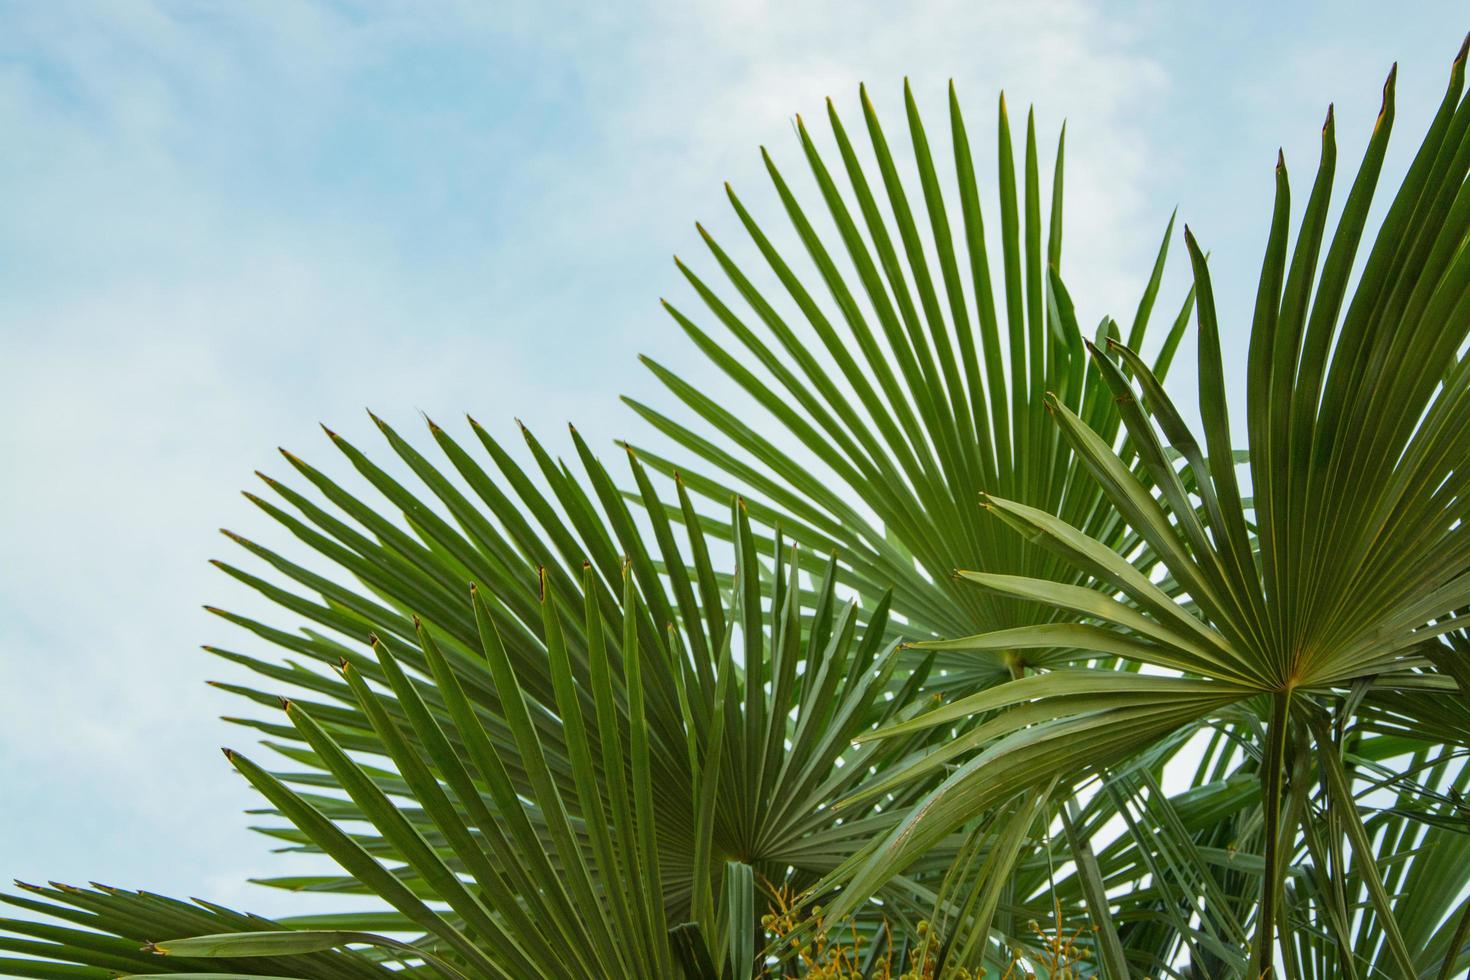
(224, 223)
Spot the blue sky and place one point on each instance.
(224, 223)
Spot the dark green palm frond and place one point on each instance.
(779, 747)
(1429, 704)
(496, 881)
(1426, 836)
(878, 412)
(1171, 874)
(570, 781)
(550, 838)
(1358, 420)
(102, 932)
(900, 379)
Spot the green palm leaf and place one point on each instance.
(551, 795)
(911, 387)
(1357, 417)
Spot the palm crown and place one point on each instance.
(567, 724)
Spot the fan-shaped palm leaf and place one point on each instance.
(1357, 419)
(915, 385)
(547, 838)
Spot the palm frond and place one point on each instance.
(887, 406)
(1357, 417)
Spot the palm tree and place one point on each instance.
(542, 717)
